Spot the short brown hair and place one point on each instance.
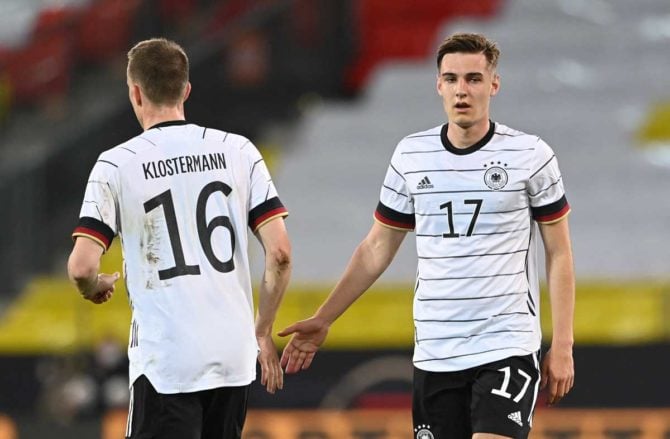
(160, 67)
(469, 43)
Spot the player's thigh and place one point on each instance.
(225, 410)
(154, 415)
(441, 405)
(504, 395)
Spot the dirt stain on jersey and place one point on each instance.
(150, 243)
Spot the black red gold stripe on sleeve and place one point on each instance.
(266, 211)
(552, 212)
(393, 218)
(94, 229)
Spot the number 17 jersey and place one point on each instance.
(181, 197)
(474, 212)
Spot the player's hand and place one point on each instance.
(103, 289)
(272, 377)
(308, 336)
(558, 373)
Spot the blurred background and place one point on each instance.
(326, 89)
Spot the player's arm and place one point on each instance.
(82, 268)
(558, 366)
(274, 238)
(372, 256)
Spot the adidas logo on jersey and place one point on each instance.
(516, 417)
(425, 184)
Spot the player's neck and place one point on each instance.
(464, 137)
(155, 115)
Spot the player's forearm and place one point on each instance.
(366, 265)
(273, 286)
(83, 275)
(561, 283)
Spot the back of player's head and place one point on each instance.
(160, 67)
(469, 43)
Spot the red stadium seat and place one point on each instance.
(176, 11)
(56, 19)
(39, 70)
(404, 29)
(226, 12)
(105, 29)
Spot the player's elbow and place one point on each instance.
(279, 257)
(80, 269)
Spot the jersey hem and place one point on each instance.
(486, 358)
(165, 388)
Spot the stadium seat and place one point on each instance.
(228, 11)
(176, 11)
(403, 29)
(55, 20)
(105, 29)
(39, 70)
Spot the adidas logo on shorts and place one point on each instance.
(516, 417)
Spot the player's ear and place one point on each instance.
(495, 84)
(187, 91)
(136, 94)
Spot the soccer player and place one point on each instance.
(476, 192)
(181, 197)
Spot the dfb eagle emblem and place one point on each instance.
(495, 178)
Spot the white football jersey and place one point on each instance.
(181, 197)
(474, 212)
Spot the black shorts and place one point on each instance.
(209, 414)
(496, 398)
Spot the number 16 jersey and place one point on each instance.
(181, 197)
(474, 211)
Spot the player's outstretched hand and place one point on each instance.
(558, 373)
(308, 335)
(272, 377)
(104, 289)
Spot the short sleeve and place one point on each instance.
(545, 187)
(264, 203)
(396, 205)
(99, 210)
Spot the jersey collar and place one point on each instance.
(168, 123)
(470, 149)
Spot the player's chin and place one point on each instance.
(462, 121)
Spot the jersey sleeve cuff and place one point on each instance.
(266, 211)
(553, 212)
(394, 219)
(95, 230)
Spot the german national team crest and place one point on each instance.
(495, 177)
(423, 432)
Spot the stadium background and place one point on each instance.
(326, 88)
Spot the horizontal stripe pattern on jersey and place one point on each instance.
(475, 214)
(182, 198)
